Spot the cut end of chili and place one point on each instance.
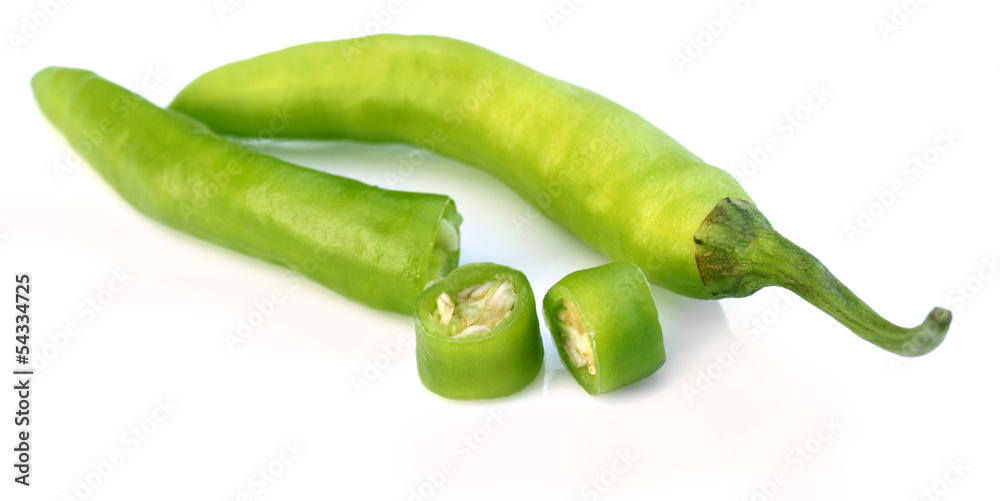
(574, 338)
(477, 333)
(444, 254)
(605, 326)
(477, 309)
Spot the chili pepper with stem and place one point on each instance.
(612, 178)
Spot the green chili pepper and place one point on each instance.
(600, 170)
(477, 333)
(604, 323)
(375, 246)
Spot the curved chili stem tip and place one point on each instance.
(738, 253)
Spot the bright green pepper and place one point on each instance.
(375, 246)
(477, 333)
(600, 170)
(604, 323)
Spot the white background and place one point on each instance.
(709, 425)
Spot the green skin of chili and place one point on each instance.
(620, 320)
(493, 364)
(600, 170)
(375, 246)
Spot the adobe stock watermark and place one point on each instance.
(32, 25)
(899, 15)
(602, 138)
(378, 22)
(542, 200)
(375, 366)
(207, 191)
(911, 171)
(280, 118)
(223, 8)
(795, 460)
(959, 296)
(785, 128)
(696, 44)
(247, 324)
(453, 117)
(151, 79)
(464, 449)
(87, 310)
(561, 11)
(268, 473)
(706, 377)
(941, 487)
(263, 309)
(600, 483)
(130, 441)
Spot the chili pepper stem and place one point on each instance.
(738, 253)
